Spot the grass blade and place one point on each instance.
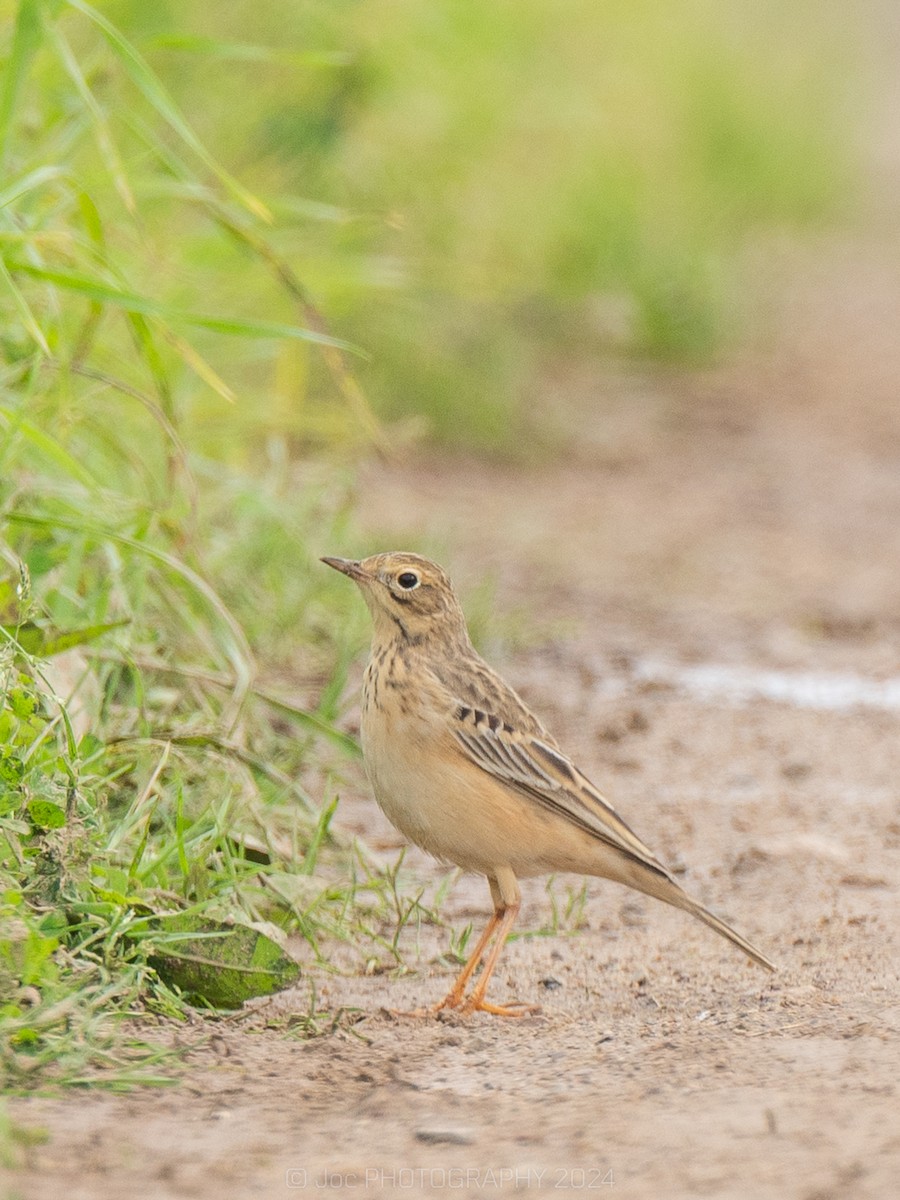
(50, 448)
(233, 640)
(102, 291)
(156, 95)
(198, 364)
(25, 41)
(31, 182)
(247, 52)
(27, 316)
(108, 151)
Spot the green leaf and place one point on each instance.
(23, 702)
(89, 746)
(223, 965)
(46, 815)
(11, 767)
(44, 643)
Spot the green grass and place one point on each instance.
(541, 164)
(166, 793)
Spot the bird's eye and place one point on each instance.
(408, 580)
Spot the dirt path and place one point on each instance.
(711, 578)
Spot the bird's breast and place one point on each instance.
(399, 736)
(430, 790)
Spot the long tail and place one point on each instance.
(656, 881)
(692, 906)
(621, 854)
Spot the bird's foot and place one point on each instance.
(517, 1008)
(465, 1007)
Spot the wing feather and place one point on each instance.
(505, 759)
(531, 765)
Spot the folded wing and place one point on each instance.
(532, 765)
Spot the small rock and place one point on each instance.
(638, 722)
(444, 1137)
(633, 914)
(796, 770)
(550, 983)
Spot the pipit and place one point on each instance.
(463, 768)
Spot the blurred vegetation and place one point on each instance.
(221, 230)
(475, 187)
(587, 175)
(466, 191)
(157, 842)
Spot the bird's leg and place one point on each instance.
(507, 902)
(454, 997)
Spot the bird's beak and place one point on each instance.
(347, 566)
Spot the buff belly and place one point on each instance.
(460, 814)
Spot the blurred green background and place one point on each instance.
(242, 246)
(466, 191)
(505, 180)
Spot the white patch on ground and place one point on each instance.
(831, 692)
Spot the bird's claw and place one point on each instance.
(465, 1008)
(516, 1008)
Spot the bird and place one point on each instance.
(463, 769)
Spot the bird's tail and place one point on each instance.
(661, 885)
(721, 927)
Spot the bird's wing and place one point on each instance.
(532, 765)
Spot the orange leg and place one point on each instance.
(454, 997)
(476, 1001)
(507, 902)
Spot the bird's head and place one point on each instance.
(410, 598)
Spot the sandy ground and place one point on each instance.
(711, 584)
